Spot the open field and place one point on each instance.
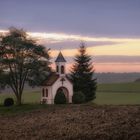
(118, 98)
(73, 122)
(115, 94)
(118, 93)
(120, 87)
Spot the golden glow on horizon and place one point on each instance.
(117, 49)
(121, 46)
(108, 67)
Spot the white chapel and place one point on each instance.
(57, 81)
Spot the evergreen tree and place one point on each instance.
(82, 74)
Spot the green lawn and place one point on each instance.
(117, 98)
(101, 98)
(118, 93)
(119, 87)
(115, 94)
(32, 97)
(20, 109)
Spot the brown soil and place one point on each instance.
(74, 122)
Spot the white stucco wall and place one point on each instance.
(67, 84)
(52, 90)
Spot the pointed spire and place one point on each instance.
(60, 58)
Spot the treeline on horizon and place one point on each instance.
(102, 78)
(111, 77)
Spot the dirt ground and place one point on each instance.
(73, 122)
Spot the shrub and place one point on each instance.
(60, 98)
(8, 102)
(78, 98)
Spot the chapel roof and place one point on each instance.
(60, 58)
(51, 79)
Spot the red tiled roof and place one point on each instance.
(51, 79)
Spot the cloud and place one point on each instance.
(75, 44)
(60, 37)
(117, 59)
(109, 54)
(110, 59)
(69, 43)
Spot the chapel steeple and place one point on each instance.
(60, 64)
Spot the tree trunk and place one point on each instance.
(19, 99)
(18, 94)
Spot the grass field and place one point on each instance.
(117, 98)
(28, 97)
(115, 94)
(118, 94)
(120, 87)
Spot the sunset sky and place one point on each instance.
(110, 28)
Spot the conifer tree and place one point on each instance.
(82, 74)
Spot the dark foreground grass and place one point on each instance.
(20, 109)
(102, 98)
(27, 108)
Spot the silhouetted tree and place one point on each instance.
(22, 61)
(82, 74)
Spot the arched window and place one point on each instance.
(43, 92)
(46, 92)
(57, 68)
(62, 69)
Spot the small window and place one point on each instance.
(57, 68)
(46, 92)
(62, 69)
(43, 92)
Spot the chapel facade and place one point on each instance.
(58, 80)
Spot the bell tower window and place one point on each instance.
(62, 69)
(57, 69)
